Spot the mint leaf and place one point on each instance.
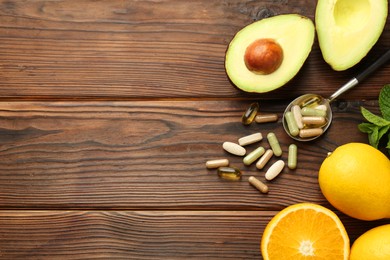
(373, 137)
(384, 102)
(372, 118)
(378, 127)
(366, 127)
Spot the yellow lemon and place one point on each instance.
(305, 231)
(373, 245)
(355, 179)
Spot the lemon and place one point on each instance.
(373, 245)
(355, 179)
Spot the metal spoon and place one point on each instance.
(313, 100)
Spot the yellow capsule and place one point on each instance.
(310, 102)
(258, 184)
(250, 114)
(265, 118)
(229, 173)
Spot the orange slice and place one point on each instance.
(305, 231)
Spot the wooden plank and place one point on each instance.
(139, 234)
(146, 49)
(138, 155)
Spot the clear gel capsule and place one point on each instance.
(250, 114)
(307, 111)
(274, 170)
(213, 164)
(274, 143)
(311, 102)
(264, 159)
(292, 156)
(229, 173)
(291, 123)
(254, 155)
(265, 118)
(258, 184)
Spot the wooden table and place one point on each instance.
(109, 111)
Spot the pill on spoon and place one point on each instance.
(296, 110)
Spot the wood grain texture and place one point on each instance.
(146, 49)
(139, 234)
(109, 111)
(134, 155)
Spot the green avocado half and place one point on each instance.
(266, 54)
(348, 29)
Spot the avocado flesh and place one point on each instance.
(294, 33)
(348, 29)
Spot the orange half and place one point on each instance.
(305, 231)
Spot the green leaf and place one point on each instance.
(384, 102)
(373, 137)
(366, 127)
(372, 118)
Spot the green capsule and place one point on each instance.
(274, 143)
(229, 173)
(291, 123)
(254, 155)
(250, 114)
(307, 111)
(292, 156)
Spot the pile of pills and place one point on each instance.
(306, 119)
(260, 155)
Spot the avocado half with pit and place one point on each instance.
(267, 54)
(348, 29)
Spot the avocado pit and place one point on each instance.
(263, 56)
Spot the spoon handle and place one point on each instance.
(379, 62)
(362, 75)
